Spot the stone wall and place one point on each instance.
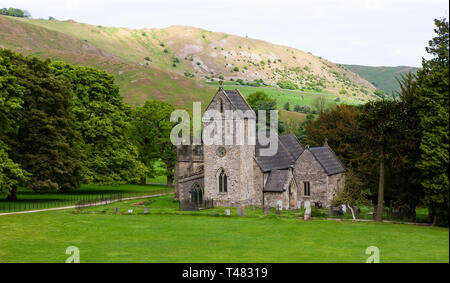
(271, 199)
(189, 161)
(308, 169)
(187, 184)
(237, 164)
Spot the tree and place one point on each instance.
(320, 103)
(261, 101)
(297, 108)
(352, 194)
(287, 107)
(104, 123)
(43, 137)
(340, 128)
(405, 177)
(11, 93)
(433, 81)
(377, 121)
(151, 129)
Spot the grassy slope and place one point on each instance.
(137, 82)
(216, 54)
(383, 78)
(44, 237)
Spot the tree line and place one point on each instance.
(63, 125)
(397, 149)
(14, 12)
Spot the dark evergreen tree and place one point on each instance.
(433, 81)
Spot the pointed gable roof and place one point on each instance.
(292, 144)
(236, 99)
(281, 160)
(329, 161)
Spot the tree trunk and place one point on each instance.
(143, 180)
(170, 180)
(353, 212)
(12, 195)
(379, 214)
(412, 213)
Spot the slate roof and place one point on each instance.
(276, 180)
(281, 160)
(237, 100)
(292, 145)
(328, 160)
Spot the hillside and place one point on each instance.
(383, 78)
(172, 64)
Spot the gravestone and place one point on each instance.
(146, 210)
(227, 212)
(130, 211)
(117, 210)
(241, 211)
(279, 205)
(344, 208)
(307, 215)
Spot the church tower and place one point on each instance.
(228, 162)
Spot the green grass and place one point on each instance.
(29, 200)
(206, 237)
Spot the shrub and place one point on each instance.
(287, 84)
(221, 77)
(161, 44)
(236, 69)
(166, 51)
(147, 58)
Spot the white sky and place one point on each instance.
(365, 32)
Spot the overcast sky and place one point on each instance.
(365, 32)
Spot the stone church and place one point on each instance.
(238, 175)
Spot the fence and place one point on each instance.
(188, 205)
(79, 201)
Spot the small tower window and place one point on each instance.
(221, 106)
(223, 182)
(307, 189)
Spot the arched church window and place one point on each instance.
(223, 182)
(196, 194)
(221, 106)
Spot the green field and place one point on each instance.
(209, 236)
(29, 200)
(292, 96)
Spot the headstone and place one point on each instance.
(279, 205)
(146, 210)
(307, 215)
(241, 211)
(117, 210)
(227, 212)
(278, 210)
(130, 211)
(344, 208)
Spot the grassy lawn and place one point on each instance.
(28, 199)
(209, 237)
